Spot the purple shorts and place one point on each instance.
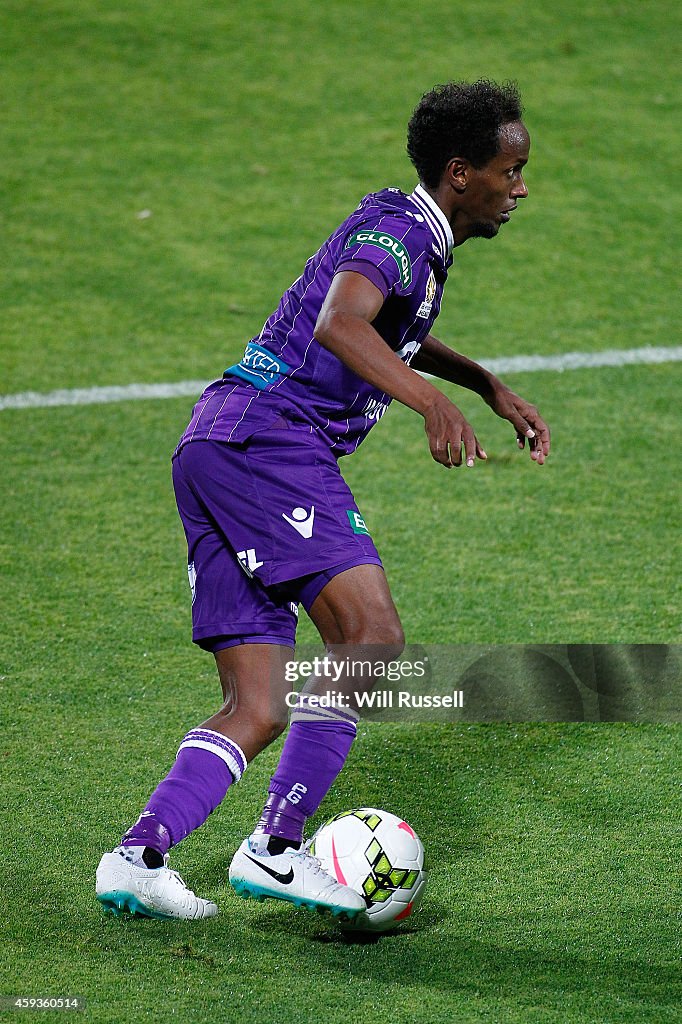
(268, 523)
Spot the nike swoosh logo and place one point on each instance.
(284, 879)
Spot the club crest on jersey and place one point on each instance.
(424, 310)
(390, 245)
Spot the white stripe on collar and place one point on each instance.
(436, 219)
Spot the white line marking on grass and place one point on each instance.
(586, 360)
(186, 388)
(100, 396)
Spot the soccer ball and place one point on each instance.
(380, 856)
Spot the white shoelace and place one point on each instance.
(313, 863)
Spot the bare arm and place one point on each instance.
(437, 359)
(344, 326)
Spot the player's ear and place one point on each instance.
(456, 173)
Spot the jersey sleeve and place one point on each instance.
(385, 252)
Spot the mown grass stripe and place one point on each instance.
(510, 364)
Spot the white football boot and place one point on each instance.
(295, 876)
(123, 885)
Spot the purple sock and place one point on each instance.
(314, 753)
(280, 818)
(206, 765)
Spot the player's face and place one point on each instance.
(493, 191)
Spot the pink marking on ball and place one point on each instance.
(404, 913)
(403, 824)
(337, 867)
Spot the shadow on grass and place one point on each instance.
(434, 953)
(424, 955)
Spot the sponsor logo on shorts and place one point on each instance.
(248, 561)
(357, 523)
(258, 366)
(391, 245)
(192, 576)
(302, 521)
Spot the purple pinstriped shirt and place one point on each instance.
(403, 245)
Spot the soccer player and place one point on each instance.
(270, 522)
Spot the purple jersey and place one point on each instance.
(403, 245)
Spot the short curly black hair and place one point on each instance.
(459, 119)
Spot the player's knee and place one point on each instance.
(269, 723)
(396, 639)
(263, 722)
(392, 644)
(385, 635)
(370, 652)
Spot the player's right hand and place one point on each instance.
(448, 431)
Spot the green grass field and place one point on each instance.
(247, 132)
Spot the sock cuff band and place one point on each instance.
(304, 711)
(227, 750)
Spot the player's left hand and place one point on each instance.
(525, 418)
